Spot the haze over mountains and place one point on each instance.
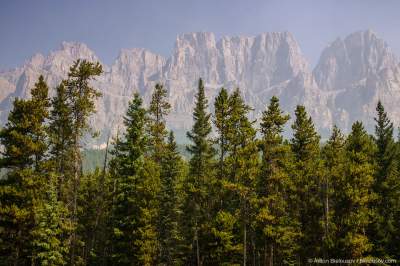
(351, 76)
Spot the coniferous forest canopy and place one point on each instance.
(244, 196)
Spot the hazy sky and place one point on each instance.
(106, 26)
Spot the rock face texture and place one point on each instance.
(358, 72)
(350, 77)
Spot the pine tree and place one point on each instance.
(225, 221)
(169, 234)
(159, 108)
(356, 194)
(274, 188)
(41, 104)
(61, 140)
(148, 191)
(94, 211)
(221, 109)
(242, 162)
(24, 149)
(334, 158)
(81, 101)
(49, 245)
(199, 181)
(305, 146)
(137, 185)
(387, 187)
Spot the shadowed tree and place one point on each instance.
(198, 205)
(305, 146)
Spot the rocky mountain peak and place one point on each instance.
(346, 61)
(76, 50)
(200, 40)
(352, 74)
(134, 68)
(36, 61)
(61, 59)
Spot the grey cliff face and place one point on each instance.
(358, 71)
(350, 77)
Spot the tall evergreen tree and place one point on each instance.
(334, 158)
(41, 104)
(94, 223)
(387, 188)
(49, 244)
(274, 188)
(159, 108)
(199, 182)
(242, 162)
(169, 234)
(305, 146)
(81, 98)
(24, 149)
(61, 140)
(137, 184)
(221, 110)
(357, 194)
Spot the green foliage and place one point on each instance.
(334, 158)
(159, 108)
(49, 244)
(274, 219)
(60, 133)
(232, 200)
(307, 179)
(169, 234)
(242, 169)
(135, 207)
(221, 106)
(386, 186)
(357, 193)
(198, 203)
(78, 106)
(24, 145)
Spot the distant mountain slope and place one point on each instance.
(350, 77)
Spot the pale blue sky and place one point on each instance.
(106, 26)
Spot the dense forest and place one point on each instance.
(245, 195)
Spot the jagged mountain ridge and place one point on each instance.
(350, 77)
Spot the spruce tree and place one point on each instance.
(305, 146)
(169, 234)
(387, 187)
(41, 104)
(225, 221)
(200, 178)
(158, 109)
(137, 185)
(242, 164)
(81, 98)
(274, 188)
(49, 244)
(357, 194)
(94, 217)
(61, 140)
(221, 110)
(334, 158)
(23, 159)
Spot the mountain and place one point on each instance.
(350, 77)
(357, 72)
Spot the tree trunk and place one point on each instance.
(197, 247)
(271, 255)
(75, 196)
(326, 214)
(244, 244)
(265, 252)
